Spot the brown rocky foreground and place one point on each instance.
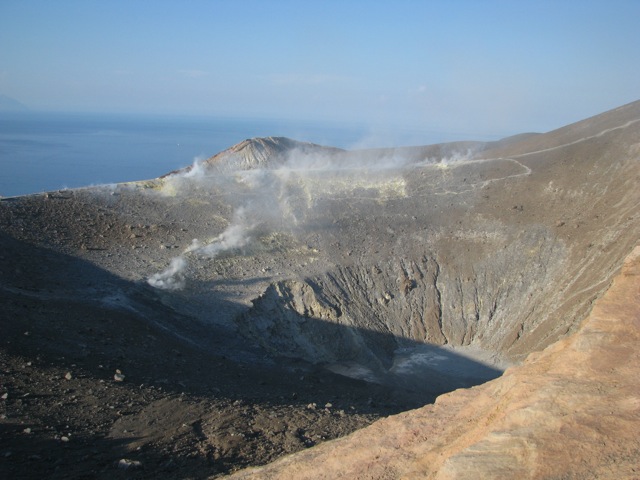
(571, 411)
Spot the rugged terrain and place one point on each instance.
(571, 411)
(282, 293)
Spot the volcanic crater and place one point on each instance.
(281, 294)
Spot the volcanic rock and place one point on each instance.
(570, 411)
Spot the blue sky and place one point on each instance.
(471, 68)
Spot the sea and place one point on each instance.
(41, 152)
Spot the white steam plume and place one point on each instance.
(196, 170)
(237, 235)
(172, 278)
(284, 194)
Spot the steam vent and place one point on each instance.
(452, 311)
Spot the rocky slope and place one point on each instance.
(500, 255)
(570, 411)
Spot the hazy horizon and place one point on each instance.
(468, 69)
(44, 151)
